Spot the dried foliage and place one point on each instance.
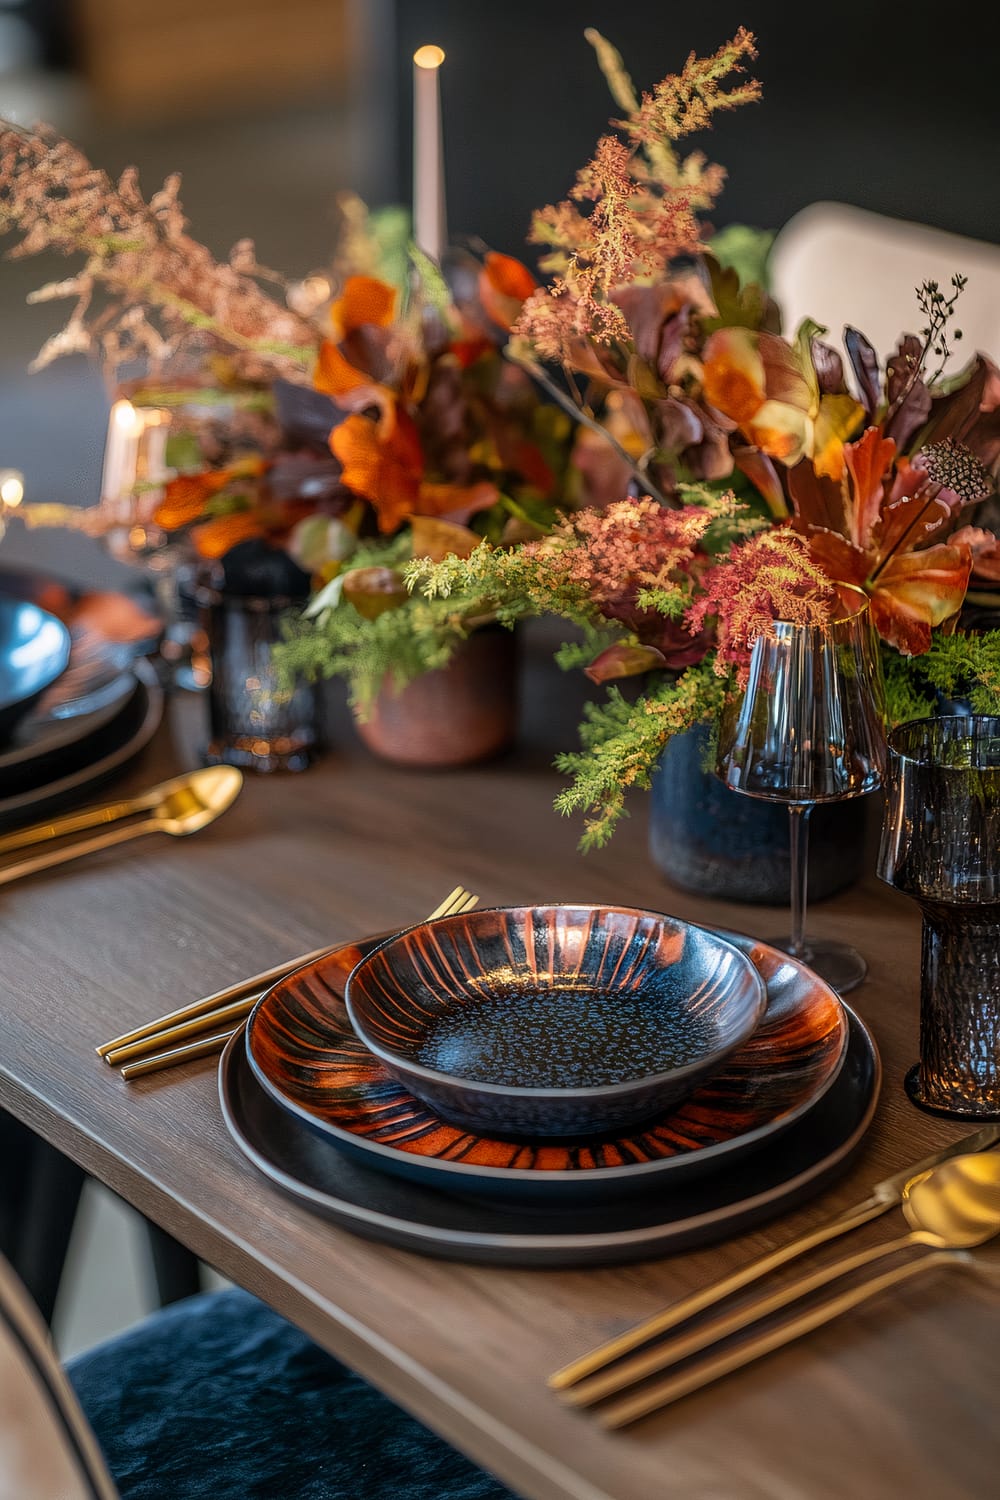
(145, 291)
(645, 203)
(647, 574)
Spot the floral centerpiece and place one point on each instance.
(363, 413)
(441, 442)
(740, 475)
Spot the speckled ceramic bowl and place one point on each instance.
(535, 1021)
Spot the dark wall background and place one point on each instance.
(893, 107)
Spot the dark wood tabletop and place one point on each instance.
(898, 1398)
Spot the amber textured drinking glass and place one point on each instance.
(941, 845)
(808, 728)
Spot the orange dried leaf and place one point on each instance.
(364, 299)
(623, 660)
(438, 539)
(214, 538)
(334, 375)
(386, 470)
(918, 591)
(504, 286)
(868, 461)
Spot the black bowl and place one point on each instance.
(34, 651)
(553, 1020)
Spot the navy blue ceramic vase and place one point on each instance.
(714, 842)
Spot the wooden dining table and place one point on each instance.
(897, 1398)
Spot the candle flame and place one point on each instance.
(428, 57)
(11, 488)
(125, 417)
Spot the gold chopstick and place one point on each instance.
(159, 1060)
(183, 1032)
(235, 1002)
(211, 1003)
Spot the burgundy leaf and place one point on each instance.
(829, 369)
(710, 458)
(306, 415)
(677, 425)
(909, 398)
(900, 367)
(306, 476)
(911, 416)
(864, 363)
(817, 501)
(672, 336)
(971, 413)
(645, 308)
(763, 475)
(623, 660)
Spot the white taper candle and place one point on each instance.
(429, 221)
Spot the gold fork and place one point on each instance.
(576, 1382)
(663, 1393)
(166, 1041)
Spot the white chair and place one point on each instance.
(843, 265)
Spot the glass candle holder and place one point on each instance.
(941, 845)
(253, 723)
(160, 429)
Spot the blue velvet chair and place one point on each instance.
(216, 1396)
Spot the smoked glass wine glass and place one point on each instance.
(808, 728)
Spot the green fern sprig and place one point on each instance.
(396, 647)
(621, 743)
(962, 666)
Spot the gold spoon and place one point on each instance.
(183, 806)
(951, 1208)
(94, 817)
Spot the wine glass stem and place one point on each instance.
(798, 824)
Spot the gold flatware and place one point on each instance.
(948, 1179)
(196, 1010)
(203, 1047)
(235, 1011)
(154, 1042)
(250, 989)
(226, 1015)
(204, 796)
(174, 794)
(951, 1208)
(883, 1196)
(685, 1384)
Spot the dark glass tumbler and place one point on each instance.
(252, 722)
(941, 845)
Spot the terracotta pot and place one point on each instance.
(463, 713)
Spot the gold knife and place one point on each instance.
(883, 1196)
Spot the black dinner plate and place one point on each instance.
(43, 739)
(658, 1221)
(31, 790)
